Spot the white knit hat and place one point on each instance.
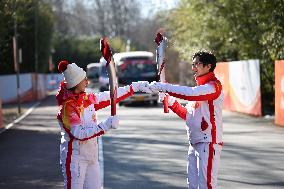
(73, 74)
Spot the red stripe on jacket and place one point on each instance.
(106, 103)
(211, 145)
(68, 163)
(179, 110)
(212, 121)
(210, 165)
(203, 97)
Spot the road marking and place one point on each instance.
(20, 118)
(100, 141)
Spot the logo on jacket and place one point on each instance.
(204, 124)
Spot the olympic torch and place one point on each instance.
(160, 59)
(110, 66)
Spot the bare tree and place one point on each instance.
(112, 18)
(101, 15)
(116, 17)
(61, 24)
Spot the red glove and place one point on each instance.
(171, 100)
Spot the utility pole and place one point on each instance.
(16, 63)
(50, 63)
(36, 47)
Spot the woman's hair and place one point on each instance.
(206, 57)
(72, 89)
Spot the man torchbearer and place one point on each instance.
(203, 116)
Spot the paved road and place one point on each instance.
(253, 154)
(29, 151)
(147, 151)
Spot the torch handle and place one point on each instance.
(113, 107)
(113, 102)
(166, 104)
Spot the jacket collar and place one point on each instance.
(201, 80)
(63, 94)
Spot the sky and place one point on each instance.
(150, 7)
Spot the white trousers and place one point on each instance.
(203, 164)
(84, 175)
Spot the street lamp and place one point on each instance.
(36, 47)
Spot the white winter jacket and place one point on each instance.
(203, 114)
(78, 121)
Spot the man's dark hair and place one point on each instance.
(206, 58)
(72, 89)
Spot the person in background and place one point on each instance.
(203, 116)
(80, 128)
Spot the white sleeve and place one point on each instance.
(191, 91)
(81, 132)
(88, 127)
(105, 96)
(198, 93)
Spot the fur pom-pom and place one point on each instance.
(62, 66)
